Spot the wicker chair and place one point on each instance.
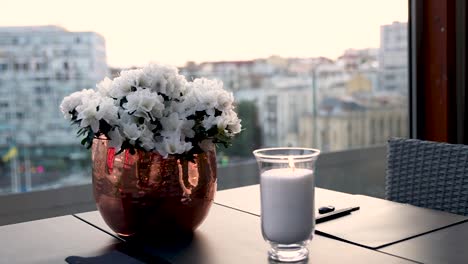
(428, 174)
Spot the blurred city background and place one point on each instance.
(355, 100)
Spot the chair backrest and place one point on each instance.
(428, 174)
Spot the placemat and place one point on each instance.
(379, 222)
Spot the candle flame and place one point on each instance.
(291, 163)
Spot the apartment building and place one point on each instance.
(39, 66)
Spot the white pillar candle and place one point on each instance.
(287, 203)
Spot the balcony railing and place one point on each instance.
(357, 171)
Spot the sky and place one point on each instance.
(176, 31)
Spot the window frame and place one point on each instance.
(437, 63)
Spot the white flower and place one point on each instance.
(131, 131)
(172, 122)
(235, 127)
(147, 139)
(187, 106)
(87, 114)
(225, 100)
(115, 139)
(203, 93)
(142, 102)
(123, 85)
(209, 121)
(229, 123)
(104, 87)
(187, 128)
(207, 95)
(69, 104)
(172, 144)
(107, 111)
(125, 118)
(163, 79)
(74, 100)
(156, 109)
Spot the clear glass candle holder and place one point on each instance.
(287, 200)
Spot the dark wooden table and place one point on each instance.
(55, 240)
(447, 244)
(230, 234)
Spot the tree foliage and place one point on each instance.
(251, 137)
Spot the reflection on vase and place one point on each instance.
(145, 194)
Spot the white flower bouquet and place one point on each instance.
(155, 109)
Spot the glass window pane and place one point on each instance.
(325, 74)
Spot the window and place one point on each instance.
(39, 102)
(317, 78)
(40, 66)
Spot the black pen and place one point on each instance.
(335, 214)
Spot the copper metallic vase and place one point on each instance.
(145, 194)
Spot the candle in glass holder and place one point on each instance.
(287, 200)
(287, 204)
